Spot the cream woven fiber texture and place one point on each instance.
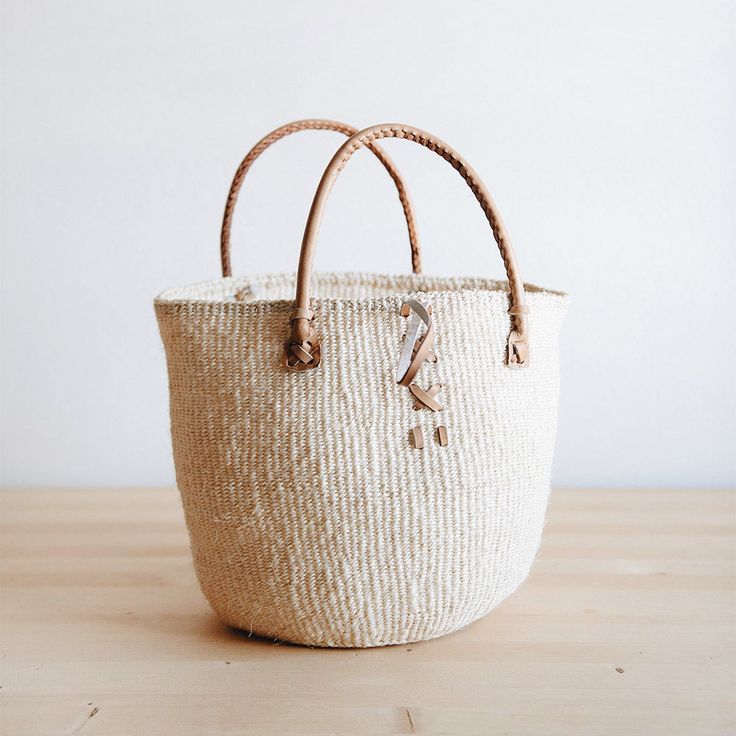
(312, 519)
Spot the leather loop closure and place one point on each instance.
(518, 342)
(422, 352)
(416, 350)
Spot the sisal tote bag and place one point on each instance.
(363, 459)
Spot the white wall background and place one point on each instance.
(604, 130)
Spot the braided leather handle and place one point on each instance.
(302, 350)
(295, 127)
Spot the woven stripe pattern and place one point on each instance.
(312, 518)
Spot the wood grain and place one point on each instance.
(626, 626)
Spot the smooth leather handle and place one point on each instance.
(302, 350)
(295, 127)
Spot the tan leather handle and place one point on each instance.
(295, 127)
(302, 350)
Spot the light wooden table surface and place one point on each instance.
(626, 626)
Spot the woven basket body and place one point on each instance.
(312, 517)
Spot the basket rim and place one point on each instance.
(221, 291)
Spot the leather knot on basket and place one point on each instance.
(302, 350)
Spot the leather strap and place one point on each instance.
(423, 350)
(302, 331)
(295, 127)
(413, 355)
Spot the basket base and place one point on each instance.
(355, 641)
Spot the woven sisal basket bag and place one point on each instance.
(367, 462)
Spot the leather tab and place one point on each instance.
(518, 350)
